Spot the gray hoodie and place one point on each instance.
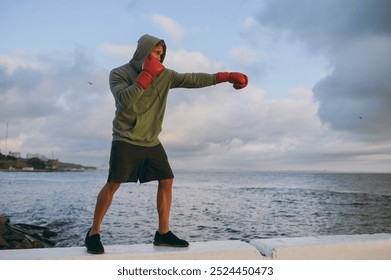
(139, 113)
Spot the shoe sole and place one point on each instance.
(162, 244)
(95, 252)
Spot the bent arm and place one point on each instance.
(125, 91)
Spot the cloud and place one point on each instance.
(119, 51)
(253, 31)
(18, 93)
(169, 26)
(244, 56)
(328, 24)
(223, 128)
(50, 106)
(191, 61)
(356, 97)
(356, 37)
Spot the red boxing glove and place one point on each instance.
(238, 80)
(152, 68)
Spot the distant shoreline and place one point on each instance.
(46, 170)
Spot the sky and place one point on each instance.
(319, 93)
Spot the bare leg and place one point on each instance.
(163, 203)
(103, 203)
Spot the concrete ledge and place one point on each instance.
(337, 247)
(211, 250)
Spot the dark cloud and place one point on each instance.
(328, 23)
(48, 85)
(356, 97)
(356, 37)
(50, 106)
(18, 94)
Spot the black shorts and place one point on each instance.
(131, 163)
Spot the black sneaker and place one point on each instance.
(169, 239)
(93, 244)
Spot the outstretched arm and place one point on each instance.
(198, 80)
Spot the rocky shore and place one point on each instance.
(24, 236)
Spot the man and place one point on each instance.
(140, 90)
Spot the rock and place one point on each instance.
(3, 229)
(24, 244)
(4, 220)
(12, 235)
(23, 236)
(48, 233)
(38, 244)
(3, 244)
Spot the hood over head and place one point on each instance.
(144, 47)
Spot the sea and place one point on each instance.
(206, 205)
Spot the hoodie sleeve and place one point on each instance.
(192, 80)
(125, 91)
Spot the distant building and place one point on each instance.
(28, 168)
(52, 164)
(15, 154)
(41, 157)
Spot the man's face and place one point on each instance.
(157, 52)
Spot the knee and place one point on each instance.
(166, 183)
(110, 188)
